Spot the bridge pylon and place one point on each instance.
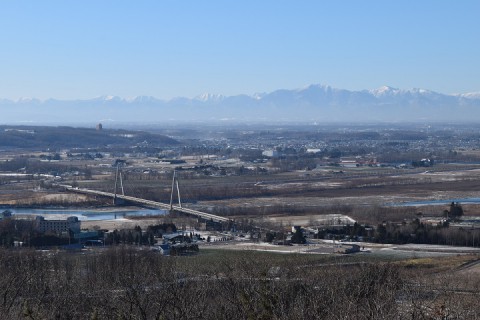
(118, 176)
(175, 185)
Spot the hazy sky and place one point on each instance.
(84, 49)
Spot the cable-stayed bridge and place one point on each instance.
(150, 203)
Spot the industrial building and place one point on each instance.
(71, 224)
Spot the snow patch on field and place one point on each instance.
(301, 185)
(313, 220)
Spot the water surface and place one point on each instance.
(435, 202)
(85, 214)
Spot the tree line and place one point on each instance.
(20, 232)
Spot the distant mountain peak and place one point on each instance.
(27, 100)
(259, 95)
(470, 95)
(142, 99)
(209, 97)
(317, 86)
(384, 90)
(316, 102)
(108, 98)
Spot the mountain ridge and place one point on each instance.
(214, 96)
(316, 102)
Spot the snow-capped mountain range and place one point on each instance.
(318, 103)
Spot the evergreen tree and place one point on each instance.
(456, 211)
(298, 236)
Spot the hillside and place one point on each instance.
(69, 137)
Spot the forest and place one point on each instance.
(125, 283)
(38, 137)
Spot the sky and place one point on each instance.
(171, 48)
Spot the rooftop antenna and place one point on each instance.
(175, 184)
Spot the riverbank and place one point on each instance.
(121, 223)
(85, 214)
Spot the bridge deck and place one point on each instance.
(204, 215)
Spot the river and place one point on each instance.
(435, 202)
(85, 214)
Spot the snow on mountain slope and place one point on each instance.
(314, 102)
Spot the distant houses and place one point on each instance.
(176, 244)
(354, 162)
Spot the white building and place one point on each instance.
(271, 153)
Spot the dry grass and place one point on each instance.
(438, 264)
